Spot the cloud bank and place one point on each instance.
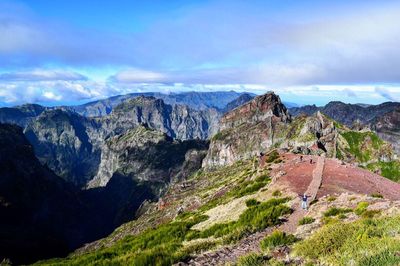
(271, 44)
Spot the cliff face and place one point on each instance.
(264, 123)
(387, 127)
(178, 121)
(147, 155)
(38, 209)
(381, 118)
(66, 143)
(248, 130)
(74, 147)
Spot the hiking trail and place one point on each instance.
(251, 243)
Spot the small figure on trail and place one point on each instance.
(311, 161)
(304, 204)
(180, 210)
(301, 158)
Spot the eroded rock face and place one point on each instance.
(75, 147)
(147, 155)
(248, 130)
(264, 123)
(67, 143)
(260, 109)
(388, 128)
(177, 121)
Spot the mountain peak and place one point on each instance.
(259, 109)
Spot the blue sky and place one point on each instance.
(66, 52)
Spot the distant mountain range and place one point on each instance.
(346, 113)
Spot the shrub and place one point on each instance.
(326, 241)
(252, 259)
(333, 211)
(197, 248)
(277, 193)
(252, 202)
(361, 207)
(306, 220)
(329, 220)
(262, 178)
(331, 198)
(236, 235)
(255, 218)
(272, 156)
(370, 213)
(277, 238)
(377, 195)
(363, 242)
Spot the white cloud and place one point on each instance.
(51, 96)
(138, 76)
(41, 75)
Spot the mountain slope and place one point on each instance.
(39, 210)
(178, 121)
(64, 141)
(72, 145)
(149, 156)
(20, 115)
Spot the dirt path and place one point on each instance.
(231, 254)
(252, 243)
(291, 225)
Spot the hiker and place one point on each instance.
(310, 161)
(304, 199)
(301, 158)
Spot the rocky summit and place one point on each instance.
(248, 130)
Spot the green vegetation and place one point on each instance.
(234, 181)
(160, 246)
(220, 135)
(362, 144)
(390, 170)
(272, 157)
(364, 242)
(361, 207)
(277, 238)
(370, 213)
(277, 193)
(252, 202)
(199, 247)
(331, 198)
(377, 195)
(252, 259)
(306, 220)
(255, 218)
(333, 211)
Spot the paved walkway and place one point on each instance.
(252, 243)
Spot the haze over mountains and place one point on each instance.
(74, 174)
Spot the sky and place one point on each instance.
(309, 52)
